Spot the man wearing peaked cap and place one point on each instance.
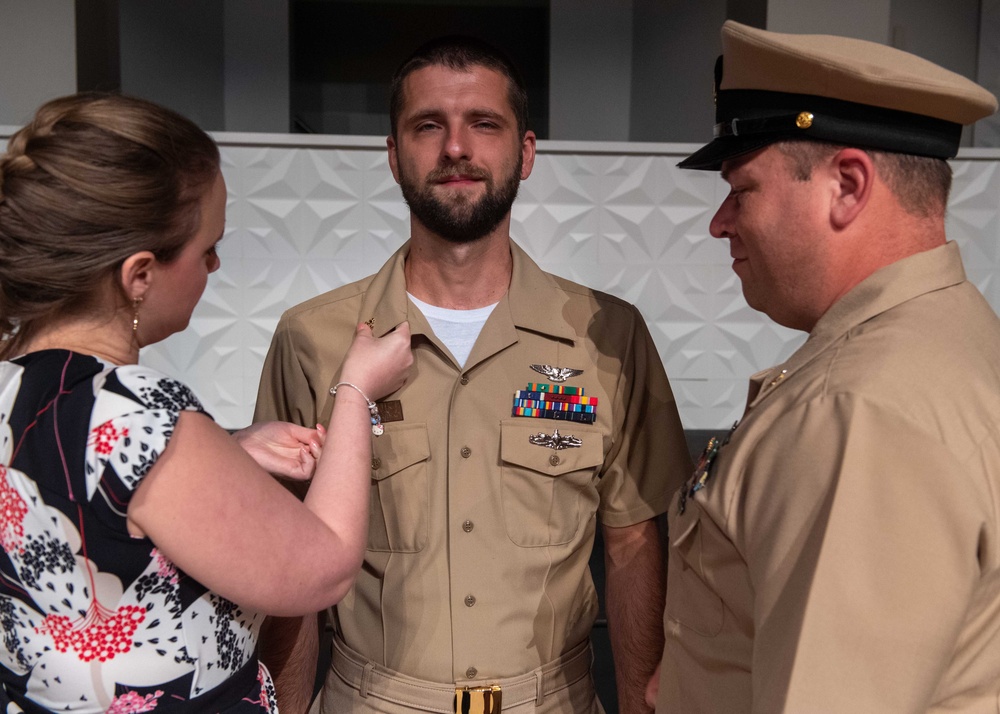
(839, 550)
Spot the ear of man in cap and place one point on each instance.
(773, 86)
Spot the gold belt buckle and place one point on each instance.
(478, 700)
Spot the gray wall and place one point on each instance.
(864, 19)
(674, 50)
(37, 55)
(988, 130)
(256, 82)
(590, 68)
(635, 70)
(172, 53)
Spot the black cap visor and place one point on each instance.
(748, 120)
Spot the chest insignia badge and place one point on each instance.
(556, 440)
(556, 374)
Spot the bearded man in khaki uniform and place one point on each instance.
(840, 550)
(476, 591)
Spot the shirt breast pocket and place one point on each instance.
(398, 511)
(690, 599)
(546, 491)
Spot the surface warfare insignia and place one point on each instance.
(556, 374)
(555, 441)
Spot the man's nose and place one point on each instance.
(456, 146)
(721, 223)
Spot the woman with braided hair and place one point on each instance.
(143, 544)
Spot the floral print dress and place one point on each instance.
(94, 620)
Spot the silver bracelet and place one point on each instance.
(377, 428)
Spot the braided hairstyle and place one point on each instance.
(91, 180)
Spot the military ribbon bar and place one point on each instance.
(581, 417)
(550, 397)
(555, 406)
(554, 388)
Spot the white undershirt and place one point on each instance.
(457, 329)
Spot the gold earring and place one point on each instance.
(136, 302)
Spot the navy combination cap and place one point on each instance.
(772, 86)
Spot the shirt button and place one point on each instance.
(467, 526)
(554, 459)
(471, 673)
(464, 380)
(466, 452)
(470, 600)
(376, 463)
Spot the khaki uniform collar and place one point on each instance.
(886, 288)
(534, 302)
(385, 305)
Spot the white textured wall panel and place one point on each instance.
(308, 215)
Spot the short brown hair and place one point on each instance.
(91, 180)
(921, 184)
(460, 53)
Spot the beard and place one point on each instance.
(461, 219)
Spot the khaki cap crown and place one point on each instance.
(849, 69)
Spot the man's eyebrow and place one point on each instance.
(423, 115)
(487, 113)
(477, 112)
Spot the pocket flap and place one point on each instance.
(517, 449)
(400, 446)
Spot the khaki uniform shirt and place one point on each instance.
(843, 555)
(477, 561)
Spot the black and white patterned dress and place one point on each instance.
(94, 620)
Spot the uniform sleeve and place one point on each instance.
(861, 533)
(285, 393)
(649, 459)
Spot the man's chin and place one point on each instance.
(462, 198)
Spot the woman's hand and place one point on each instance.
(378, 365)
(283, 449)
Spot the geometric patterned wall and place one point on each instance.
(307, 214)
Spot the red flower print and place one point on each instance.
(101, 635)
(164, 568)
(268, 699)
(104, 437)
(132, 703)
(12, 512)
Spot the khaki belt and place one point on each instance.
(373, 680)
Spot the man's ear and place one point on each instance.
(137, 273)
(528, 146)
(390, 144)
(854, 177)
